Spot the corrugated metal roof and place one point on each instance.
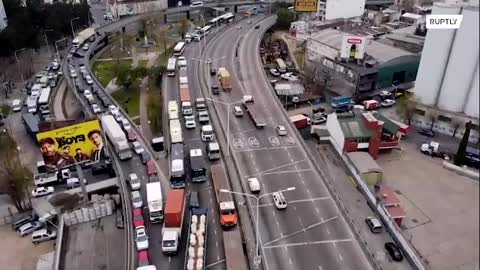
(388, 125)
(364, 162)
(353, 127)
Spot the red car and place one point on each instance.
(143, 259)
(131, 136)
(151, 169)
(138, 218)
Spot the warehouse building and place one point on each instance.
(447, 85)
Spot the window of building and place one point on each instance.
(444, 119)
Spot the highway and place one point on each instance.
(311, 233)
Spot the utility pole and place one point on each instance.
(46, 41)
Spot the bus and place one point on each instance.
(171, 66)
(205, 30)
(44, 96)
(179, 48)
(172, 110)
(176, 131)
(227, 17)
(215, 20)
(177, 166)
(282, 68)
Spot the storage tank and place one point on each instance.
(434, 58)
(471, 107)
(461, 63)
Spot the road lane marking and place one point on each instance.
(328, 231)
(298, 201)
(340, 256)
(290, 260)
(318, 211)
(292, 171)
(214, 263)
(300, 231)
(275, 168)
(309, 243)
(264, 148)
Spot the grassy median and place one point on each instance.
(104, 71)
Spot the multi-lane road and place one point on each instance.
(311, 233)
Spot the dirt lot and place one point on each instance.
(20, 253)
(442, 208)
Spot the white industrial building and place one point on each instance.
(3, 16)
(447, 83)
(340, 9)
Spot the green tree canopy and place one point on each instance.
(285, 18)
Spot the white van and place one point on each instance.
(43, 235)
(207, 133)
(196, 4)
(16, 105)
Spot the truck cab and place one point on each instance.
(213, 151)
(207, 133)
(170, 242)
(228, 216)
(187, 108)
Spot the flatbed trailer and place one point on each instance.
(254, 112)
(192, 258)
(226, 206)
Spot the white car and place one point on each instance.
(286, 76)
(137, 147)
(96, 108)
(113, 109)
(385, 94)
(137, 201)
(190, 121)
(134, 181)
(30, 227)
(89, 79)
(281, 130)
(237, 111)
(73, 74)
(118, 117)
(125, 123)
(74, 182)
(43, 235)
(85, 47)
(254, 185)
(82, 68)
(200, 104)
(203, 117)
(141, 238)
(88, 95)
(387, 103)
(274, 72)
(182, 61)
(279, 200)
(42, 191)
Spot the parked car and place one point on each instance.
(387, 103)
(427, 132)
(151, 168)
(254, 185)
(74, 182)
(394, 251)
(43, 235)
(30, 227)
(194, 202)
(137, 218)
(42, 191)
(279, 200)
(137, 147)
(190, 121)
(141, 238)
(274, 72)
(137, 201)
(134, 181)
(374, 224)
(145, 157)
(23, 218)
(281, 130)
(385, 94)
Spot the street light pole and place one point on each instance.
(56, 47)
(46, 40)
(71, 24)
(311, 109)
(257, 199)
(18, 64)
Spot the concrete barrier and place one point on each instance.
(59, 243)
(461, 170)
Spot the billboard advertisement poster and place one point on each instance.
(306, 5)
(353, 47)
(65, 146)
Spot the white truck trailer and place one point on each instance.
(116, 136)
(155, 202)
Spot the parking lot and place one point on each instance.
(19, 253)
(442, 208)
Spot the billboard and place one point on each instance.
(353, 47)
(306, 5)
(65, 146)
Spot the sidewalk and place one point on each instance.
(144, 122)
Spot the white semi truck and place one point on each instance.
(173, 223)
(155, 202)
(116, 136)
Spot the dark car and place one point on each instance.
(23, 218)
(78, 54)
(394, 251)
(145, 157)
(153, 178)
(212, 71)
(257, 26)
(215, 90)
(427, 132)
(194, 202)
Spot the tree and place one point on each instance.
(161, 38)
(284, 18)
(156, 73)
(456, 123)
(184, 26)
(406, 108)
(124, 77)
(14, 177)
(432, 116)
(462, 148)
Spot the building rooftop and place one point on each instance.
(364, 162)
(379, 51)
(352, 126)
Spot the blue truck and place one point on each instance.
(342, 103)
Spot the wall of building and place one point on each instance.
(335, 130)
(120, 9)
(471, 107)
(386, 71)
(335, 9)
(3, 16)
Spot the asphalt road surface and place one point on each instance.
(311, 233)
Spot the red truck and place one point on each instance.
(172, 226)
(300, 121)
(185, 100)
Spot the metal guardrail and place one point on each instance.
(59, 243)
